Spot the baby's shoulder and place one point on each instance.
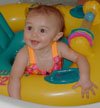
(23, 52)
(61, 45)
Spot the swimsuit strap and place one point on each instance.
(54, 49)
(32, 55)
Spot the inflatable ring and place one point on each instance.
(35, 88)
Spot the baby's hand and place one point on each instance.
(86, 87)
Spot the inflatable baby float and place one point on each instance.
(36, 88)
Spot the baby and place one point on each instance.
(43, 53)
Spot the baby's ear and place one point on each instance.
(58, 36)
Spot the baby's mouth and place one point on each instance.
(35, 42)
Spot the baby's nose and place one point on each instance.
(34, 34)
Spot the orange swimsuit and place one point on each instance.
(33, 69)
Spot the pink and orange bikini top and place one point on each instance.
(33, 69)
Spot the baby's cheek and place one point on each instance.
(26, 38)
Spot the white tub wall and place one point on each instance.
(8, 102)
(66, 2)
(8, 1)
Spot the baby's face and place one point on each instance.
(40, 30)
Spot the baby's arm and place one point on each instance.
(16, 74)
(83, 66)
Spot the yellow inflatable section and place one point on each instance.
(35, 88)
(15, 15)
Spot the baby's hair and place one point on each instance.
(49, 10)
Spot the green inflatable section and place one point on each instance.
(6, 27)
(4, 40)
(6, 34)
(77, 12)
(7, 56)
(69, 75)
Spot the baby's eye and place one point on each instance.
(29, 28)
(42, 30)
